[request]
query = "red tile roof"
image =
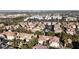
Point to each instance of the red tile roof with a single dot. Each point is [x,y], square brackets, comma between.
[38,46]
[55,39]
[9,33]
[43,37]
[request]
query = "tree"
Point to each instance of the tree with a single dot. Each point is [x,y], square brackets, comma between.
[69,45]
[21,29]
[32,42]
[58,34]
[1,30]
[22,45]
[29,31]
[50,33]
[39,33]
[46,43]
[75,37]
[15,43]
[65,36]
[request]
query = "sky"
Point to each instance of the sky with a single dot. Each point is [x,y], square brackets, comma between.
[39,5]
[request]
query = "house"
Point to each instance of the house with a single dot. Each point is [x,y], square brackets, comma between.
[71,27]
[57,16]
[36,17]
[43,38]
[54,42]
[71,19]
[57,28]
[2,25]
[38,46]
[71,31]
[9,27]
[48,17]
[69,41]
[16,26]
[10,35]
[25,36]
[36,29]
[26,19]
[10,43]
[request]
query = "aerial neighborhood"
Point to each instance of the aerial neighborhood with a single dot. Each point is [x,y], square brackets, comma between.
[39,30]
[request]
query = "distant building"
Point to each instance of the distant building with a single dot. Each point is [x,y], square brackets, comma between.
[71,19]
[57,16]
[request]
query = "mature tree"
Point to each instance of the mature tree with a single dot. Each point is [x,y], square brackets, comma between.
[50,33]
[39,33]
[22,45]
[15,43]
[1,30]
[32,42]
[75,37]
[69,46]
[21,29]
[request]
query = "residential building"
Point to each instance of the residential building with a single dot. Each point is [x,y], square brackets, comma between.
[38,46]
[54,42]
[10,35]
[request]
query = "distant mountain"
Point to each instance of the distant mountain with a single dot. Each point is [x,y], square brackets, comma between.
[39,11]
